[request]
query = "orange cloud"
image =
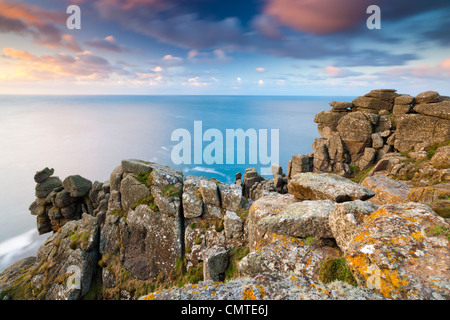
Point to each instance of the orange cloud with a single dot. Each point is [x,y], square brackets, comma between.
[59,66]
[31,14]
[318,17]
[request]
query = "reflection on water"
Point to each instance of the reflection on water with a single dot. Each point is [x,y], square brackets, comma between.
[90,135]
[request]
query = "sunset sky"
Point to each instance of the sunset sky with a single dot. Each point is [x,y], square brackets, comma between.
[279,47]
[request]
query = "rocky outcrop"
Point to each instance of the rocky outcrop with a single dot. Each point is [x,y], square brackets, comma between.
[396,251]
[309,233]
[326,186]
[360,133]
[59,202]
[265,287]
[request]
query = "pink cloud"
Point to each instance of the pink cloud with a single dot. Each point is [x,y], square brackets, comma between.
[335,72]
[318,17]
[423,71]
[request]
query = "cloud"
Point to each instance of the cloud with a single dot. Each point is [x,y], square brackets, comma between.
[260,69]
[204,57]
[84,65]
[318,17]
[423,71]
[25,19]
[109,44]
[335,72]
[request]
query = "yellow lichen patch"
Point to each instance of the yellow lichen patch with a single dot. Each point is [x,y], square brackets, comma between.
[293,278]
[150,297]
[248,294]
[417,235]
[262,292]
[194,286]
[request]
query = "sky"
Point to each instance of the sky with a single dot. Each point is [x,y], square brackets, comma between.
[224,47]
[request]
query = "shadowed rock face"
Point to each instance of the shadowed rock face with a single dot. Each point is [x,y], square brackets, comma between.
[327,186]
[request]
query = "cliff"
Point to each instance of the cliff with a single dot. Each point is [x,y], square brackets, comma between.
[313,233]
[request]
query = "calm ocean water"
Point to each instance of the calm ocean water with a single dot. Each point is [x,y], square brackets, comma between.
[90,135]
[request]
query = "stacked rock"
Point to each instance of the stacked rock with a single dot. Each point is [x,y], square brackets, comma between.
[379,122]
[58,202]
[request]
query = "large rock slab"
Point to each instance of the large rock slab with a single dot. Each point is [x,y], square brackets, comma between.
[413,129]
[287,256]
[440,109]
[44,188]
[427,97]
[323,186]
[64,266]
[131,191]
[346,218]
[302,219]
[265,287]
[398,252]
[387,190]
[441,158]
[260,209]
[77,186]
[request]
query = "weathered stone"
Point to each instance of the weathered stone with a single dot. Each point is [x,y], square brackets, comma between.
[440,110]
[427,97]
[387,190]
[394,253]
[302,219]
[77,186]
[287,256]
[404,99]
[299,163]
[136,166]
[336,148]
[43,175]
[345,219]
[275,287]
[321,160]
[43,223]
[377,141]
[413,129]
[355,129]
[310,186]
[63,199]
[131,191]
[231,196]
[327,122]
[209,192]
[401,109]
[215,262]
[388,95]
[367,159]
[372,103]
[233,225]
[441,158]
[341,106]
[43,189]
[36,208]
[261,208]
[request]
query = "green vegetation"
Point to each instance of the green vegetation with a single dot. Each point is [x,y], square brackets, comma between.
[359,175]
[171,191]
[148,200]
[79,240]
[119,213]
[242,213]
[144,178]
[336,269]
[198,240]
[235,255]
[312,241]
[438,231]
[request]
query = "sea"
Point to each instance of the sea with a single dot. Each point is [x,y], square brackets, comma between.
[90,135]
